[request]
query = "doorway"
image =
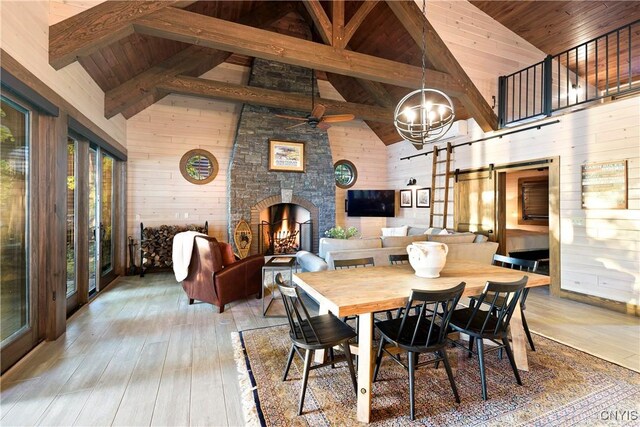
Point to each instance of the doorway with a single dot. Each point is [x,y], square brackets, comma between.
[516,205]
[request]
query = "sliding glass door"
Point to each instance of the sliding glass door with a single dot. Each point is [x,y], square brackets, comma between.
[18,298]
[72,203]
[106,218]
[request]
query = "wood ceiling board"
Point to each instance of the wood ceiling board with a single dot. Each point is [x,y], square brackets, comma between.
[224,35]
[555,26]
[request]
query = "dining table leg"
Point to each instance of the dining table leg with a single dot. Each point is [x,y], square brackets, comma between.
[519,340]
[365,358]
[318,355]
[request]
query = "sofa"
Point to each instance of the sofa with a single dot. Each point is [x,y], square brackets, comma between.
[462,246]
[217,277]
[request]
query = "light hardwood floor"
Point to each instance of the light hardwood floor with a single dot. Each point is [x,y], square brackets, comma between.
[140,355]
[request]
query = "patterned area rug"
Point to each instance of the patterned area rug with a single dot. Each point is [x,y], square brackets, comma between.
[563,387]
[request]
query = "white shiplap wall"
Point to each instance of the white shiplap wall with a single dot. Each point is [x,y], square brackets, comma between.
[159,136]
[354,141]
[25,36]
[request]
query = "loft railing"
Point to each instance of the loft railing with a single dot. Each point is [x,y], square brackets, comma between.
[606,66]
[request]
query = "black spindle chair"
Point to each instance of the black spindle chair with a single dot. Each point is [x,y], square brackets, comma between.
[313,333]
[425,332]
[502,298]
[517,264]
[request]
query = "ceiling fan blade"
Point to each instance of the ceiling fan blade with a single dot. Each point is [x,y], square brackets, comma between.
[292,117]
[338,118]
[323,125]
[318,111]
[295,126]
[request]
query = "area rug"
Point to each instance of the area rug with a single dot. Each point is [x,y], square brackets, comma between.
[564,386]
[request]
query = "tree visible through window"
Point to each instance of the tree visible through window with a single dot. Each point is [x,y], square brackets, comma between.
[346,173]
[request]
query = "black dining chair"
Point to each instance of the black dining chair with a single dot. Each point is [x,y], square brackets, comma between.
[425,332]
[311,333]
[341,264]
[517,264]
[502,298]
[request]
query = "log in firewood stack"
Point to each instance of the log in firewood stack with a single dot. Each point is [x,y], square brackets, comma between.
[157,245]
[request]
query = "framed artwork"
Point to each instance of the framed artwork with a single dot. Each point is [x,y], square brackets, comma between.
[406,198]
[286,156]
[423,197]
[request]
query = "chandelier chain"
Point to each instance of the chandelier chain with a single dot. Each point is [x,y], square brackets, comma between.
[424,44]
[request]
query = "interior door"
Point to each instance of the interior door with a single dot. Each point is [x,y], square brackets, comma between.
[475,203]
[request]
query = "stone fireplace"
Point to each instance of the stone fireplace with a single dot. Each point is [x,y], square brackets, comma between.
[252,188]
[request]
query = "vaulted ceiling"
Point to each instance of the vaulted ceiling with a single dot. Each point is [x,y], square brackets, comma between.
[138,52]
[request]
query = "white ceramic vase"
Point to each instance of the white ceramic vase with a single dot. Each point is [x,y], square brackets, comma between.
[427,258]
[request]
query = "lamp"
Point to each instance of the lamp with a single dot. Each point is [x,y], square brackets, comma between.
[424,115]
[412,181]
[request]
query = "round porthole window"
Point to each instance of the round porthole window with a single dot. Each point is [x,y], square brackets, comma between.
[199,166]
[346,173]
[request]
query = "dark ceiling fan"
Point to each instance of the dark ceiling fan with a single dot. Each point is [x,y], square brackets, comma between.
[317,119]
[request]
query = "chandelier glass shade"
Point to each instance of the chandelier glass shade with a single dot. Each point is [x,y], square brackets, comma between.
[424,116]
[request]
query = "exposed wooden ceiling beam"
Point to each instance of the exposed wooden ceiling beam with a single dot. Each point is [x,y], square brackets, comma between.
[337,19]
[192,61]
[320,19]
[188,27]
[270,98]
[410,15]
[356,20]
[378,92]
[94,28]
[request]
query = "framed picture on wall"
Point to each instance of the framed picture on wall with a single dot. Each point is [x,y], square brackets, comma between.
[406,198]
[286,156]
[423,197]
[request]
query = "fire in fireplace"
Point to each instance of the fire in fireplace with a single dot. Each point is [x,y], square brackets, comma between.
[285,228]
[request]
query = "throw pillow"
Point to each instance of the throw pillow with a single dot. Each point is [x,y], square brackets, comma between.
[226,251]
[395,231]
[453,238]
[444,232]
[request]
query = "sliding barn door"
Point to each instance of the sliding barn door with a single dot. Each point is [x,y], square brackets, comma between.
[476,204]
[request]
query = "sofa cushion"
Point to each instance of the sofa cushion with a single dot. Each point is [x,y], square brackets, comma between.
[479,252]
[452,238]
[310,262]
[395,231]
[433,230]
[401,241]
[481,238]
[414,231]
[328,244]
[226,251]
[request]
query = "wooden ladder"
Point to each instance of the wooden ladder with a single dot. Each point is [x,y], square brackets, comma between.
[440,185]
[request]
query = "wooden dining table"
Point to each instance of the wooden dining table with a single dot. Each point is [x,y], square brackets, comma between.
[363,291]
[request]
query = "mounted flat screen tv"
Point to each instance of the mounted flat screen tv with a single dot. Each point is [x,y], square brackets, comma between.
[377,203]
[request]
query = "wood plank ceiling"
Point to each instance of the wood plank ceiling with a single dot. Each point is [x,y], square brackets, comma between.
[138,52]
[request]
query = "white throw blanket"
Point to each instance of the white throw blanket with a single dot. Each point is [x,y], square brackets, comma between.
[181,253]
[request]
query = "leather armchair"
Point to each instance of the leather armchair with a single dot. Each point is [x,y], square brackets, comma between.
[210,280]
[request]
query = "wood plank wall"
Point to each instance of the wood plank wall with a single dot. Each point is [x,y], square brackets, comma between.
[25,36]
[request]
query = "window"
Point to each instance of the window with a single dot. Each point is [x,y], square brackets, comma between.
[533,201]
[199,166]
[346,173]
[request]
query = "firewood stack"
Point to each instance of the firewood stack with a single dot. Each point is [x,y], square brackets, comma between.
[157,245]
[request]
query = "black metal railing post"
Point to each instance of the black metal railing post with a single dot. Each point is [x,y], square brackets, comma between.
[502,101]
[547,84]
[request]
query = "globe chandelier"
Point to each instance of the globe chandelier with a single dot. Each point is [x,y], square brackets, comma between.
[424,115]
